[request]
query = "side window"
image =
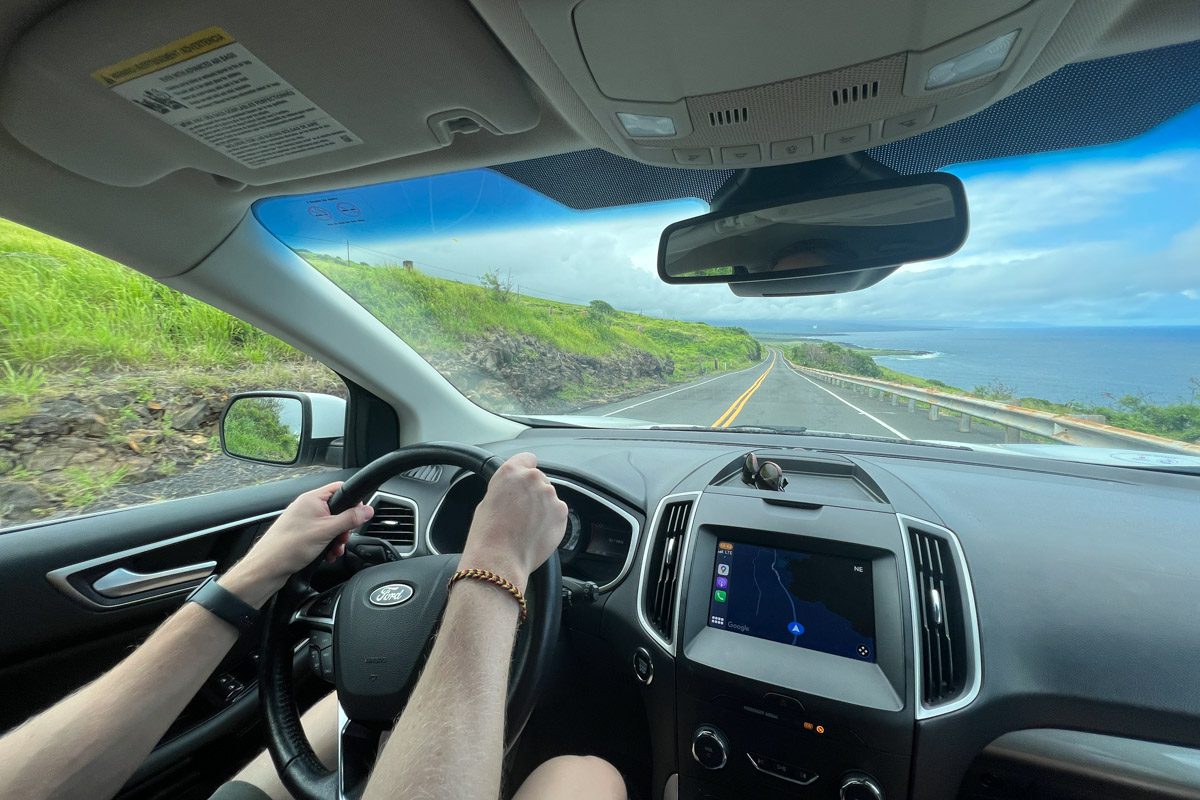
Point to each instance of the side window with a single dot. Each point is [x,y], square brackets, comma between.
[111,384]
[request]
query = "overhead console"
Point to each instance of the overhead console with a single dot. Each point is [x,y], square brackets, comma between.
[718,85]
[811,625]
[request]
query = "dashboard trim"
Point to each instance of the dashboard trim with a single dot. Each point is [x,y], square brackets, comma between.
[438,508]
[669,647]
[635,538]
[972,620]
[60,578]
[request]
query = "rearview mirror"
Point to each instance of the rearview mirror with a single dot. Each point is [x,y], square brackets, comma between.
[284,428]
[824,243]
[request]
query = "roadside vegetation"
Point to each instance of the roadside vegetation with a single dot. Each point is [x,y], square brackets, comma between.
[65,308]
[435,315]
[110,379]
[1175,420]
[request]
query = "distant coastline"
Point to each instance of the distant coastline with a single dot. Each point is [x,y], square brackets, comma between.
[1093,366]
[873,352]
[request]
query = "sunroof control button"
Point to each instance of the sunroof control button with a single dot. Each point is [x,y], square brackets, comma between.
[848,139]
[904,124]
[742,154]
[693,156]
[791,148]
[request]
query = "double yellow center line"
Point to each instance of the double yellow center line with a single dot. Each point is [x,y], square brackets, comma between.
[731,413]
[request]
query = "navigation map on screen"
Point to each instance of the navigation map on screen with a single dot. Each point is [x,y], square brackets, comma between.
[809,600]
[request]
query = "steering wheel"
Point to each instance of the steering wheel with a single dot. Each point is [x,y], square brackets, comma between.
[380,640]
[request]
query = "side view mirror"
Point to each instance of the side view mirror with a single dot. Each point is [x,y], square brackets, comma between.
[295,429]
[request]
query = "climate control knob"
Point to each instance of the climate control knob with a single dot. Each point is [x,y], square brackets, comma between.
[709,747]
[860,786]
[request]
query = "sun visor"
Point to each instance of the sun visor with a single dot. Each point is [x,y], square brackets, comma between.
[127,91]
[714,84]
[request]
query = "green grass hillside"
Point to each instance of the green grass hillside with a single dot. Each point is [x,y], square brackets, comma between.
[67,312]
[111,382]
[62,307]
[441,316]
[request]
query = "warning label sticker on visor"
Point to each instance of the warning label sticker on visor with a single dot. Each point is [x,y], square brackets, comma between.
[212,88]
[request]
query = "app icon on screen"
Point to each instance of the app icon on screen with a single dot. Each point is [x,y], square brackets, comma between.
[727,546]
[719,595]
[722,569]
[722,583]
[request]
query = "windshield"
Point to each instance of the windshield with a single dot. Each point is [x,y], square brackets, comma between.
[1076,295]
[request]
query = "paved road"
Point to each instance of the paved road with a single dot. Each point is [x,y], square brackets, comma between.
[773,393]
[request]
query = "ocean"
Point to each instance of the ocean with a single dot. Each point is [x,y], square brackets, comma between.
[1090,365]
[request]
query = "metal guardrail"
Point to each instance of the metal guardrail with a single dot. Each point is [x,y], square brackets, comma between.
[1082,431]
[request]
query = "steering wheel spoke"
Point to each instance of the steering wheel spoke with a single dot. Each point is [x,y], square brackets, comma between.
[315,616]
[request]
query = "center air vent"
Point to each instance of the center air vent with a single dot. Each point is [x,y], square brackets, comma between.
[430,473]
[728,116]
[662,569]
[853,94]
[395,520]
[942,633]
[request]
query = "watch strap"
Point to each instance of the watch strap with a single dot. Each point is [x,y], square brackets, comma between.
[224,604]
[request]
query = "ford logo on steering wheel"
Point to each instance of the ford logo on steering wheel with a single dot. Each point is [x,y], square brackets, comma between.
[391,594]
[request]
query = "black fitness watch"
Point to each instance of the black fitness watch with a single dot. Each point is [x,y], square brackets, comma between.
[224,604]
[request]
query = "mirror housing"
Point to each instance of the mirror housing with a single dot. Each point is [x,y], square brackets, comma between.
[839,240]
[293,429]
[813,284]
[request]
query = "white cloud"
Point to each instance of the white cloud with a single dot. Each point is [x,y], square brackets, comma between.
[1007,204]
[1069,242]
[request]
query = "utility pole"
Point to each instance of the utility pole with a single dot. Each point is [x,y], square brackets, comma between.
[347,252]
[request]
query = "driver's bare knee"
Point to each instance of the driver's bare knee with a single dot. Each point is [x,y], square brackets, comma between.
[320,726]
[577,777]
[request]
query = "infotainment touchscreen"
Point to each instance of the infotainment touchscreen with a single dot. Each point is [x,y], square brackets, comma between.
[809,600]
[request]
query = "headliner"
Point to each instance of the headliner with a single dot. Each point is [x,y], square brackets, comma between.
[1090,103]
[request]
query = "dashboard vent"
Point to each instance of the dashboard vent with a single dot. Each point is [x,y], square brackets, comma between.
[662,574]
[430,473]
[849,95]
[395,520]
[943,636]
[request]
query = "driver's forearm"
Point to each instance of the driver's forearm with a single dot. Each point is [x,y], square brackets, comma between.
[89,744]
[449,742]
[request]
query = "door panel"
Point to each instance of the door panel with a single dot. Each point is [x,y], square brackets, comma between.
[70,608]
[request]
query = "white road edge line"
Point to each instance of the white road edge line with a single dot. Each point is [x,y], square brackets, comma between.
[866,414]
[682,389]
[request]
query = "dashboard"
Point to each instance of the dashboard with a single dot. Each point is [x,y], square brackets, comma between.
[597,546]
[894,621]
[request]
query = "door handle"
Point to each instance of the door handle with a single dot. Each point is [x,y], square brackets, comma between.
[122,582]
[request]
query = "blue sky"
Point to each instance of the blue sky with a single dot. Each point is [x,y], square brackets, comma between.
[1091,236]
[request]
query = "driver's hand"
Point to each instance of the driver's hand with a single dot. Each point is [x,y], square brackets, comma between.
[519,523]
[302,532]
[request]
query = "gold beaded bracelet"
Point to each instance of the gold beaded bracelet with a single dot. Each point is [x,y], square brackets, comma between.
[492,578]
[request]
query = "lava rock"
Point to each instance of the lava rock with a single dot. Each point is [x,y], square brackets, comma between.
[190,418]
[17,501]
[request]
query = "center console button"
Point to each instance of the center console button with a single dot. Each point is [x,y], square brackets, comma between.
[778,769]
[709,747]
[643,665]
